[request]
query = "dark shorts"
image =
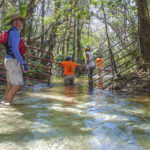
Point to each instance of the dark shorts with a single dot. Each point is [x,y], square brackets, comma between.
[90,71]
[69,79]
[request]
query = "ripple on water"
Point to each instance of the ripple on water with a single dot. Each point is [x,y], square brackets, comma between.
[79,118]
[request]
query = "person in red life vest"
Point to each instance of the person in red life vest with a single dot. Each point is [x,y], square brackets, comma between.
[69,67]
[4,39]
[13,59]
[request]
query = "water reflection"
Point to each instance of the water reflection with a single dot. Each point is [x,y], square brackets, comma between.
[69,91]
[90,90]
[92,87]
[99,83]
[77,117]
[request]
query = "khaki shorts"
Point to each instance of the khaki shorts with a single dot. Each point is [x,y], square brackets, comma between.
[69,79]
[13,71]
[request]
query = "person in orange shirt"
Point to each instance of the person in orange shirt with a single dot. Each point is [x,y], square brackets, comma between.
[99,65]
[69,67]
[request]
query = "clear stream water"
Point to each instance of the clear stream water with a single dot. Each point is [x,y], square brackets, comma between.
[80,117]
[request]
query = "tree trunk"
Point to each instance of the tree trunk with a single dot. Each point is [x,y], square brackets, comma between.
[30,32]
[68,40]
[113,66]
[78,41]
[52,37]
[58,46]
[63,44]
[69,35]
[29,14]
[42,38]
[74,40]
[125,21]
[3,9]
[144,33]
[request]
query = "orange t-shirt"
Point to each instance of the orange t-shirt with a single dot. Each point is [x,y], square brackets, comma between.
[69,67]
[99,62]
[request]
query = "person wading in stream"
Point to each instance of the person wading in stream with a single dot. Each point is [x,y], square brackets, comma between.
[99,65]
[90,65]
[68,66]
[13,59]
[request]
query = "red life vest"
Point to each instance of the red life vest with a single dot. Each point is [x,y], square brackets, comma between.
[4,38]
[22,47]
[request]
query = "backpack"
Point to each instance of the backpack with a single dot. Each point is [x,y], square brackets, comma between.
[4,39]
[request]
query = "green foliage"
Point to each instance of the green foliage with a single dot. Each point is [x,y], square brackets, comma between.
[11,11]
[148,1]
[59,58]
[62,16]
[89,40]
[38,70]
[23,8]
[95,2]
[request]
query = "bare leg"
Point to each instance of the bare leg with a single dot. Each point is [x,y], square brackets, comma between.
[99,71]
[8,87]
[90,79]
[11,93]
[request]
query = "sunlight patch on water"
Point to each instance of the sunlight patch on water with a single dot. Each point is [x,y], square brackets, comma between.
[86,129]
[64,118]
[143,127]
[12,146]
[108,117]
[112,142]
[40,127]
[69,110]
[56,97]
[140,111]
[12,120]
[61,143]
[9,110]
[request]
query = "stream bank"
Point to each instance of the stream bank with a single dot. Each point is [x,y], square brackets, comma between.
[134,82]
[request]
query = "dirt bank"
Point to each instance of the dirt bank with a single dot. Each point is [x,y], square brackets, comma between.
[134,82]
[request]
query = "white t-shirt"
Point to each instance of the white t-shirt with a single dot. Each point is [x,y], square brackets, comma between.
[91,61]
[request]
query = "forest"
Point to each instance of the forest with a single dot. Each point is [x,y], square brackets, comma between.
[118,30]
[45,107]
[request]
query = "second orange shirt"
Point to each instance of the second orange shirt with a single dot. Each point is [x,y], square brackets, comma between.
[99,62]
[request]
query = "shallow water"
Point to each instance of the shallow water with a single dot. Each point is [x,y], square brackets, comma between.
[80,117]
